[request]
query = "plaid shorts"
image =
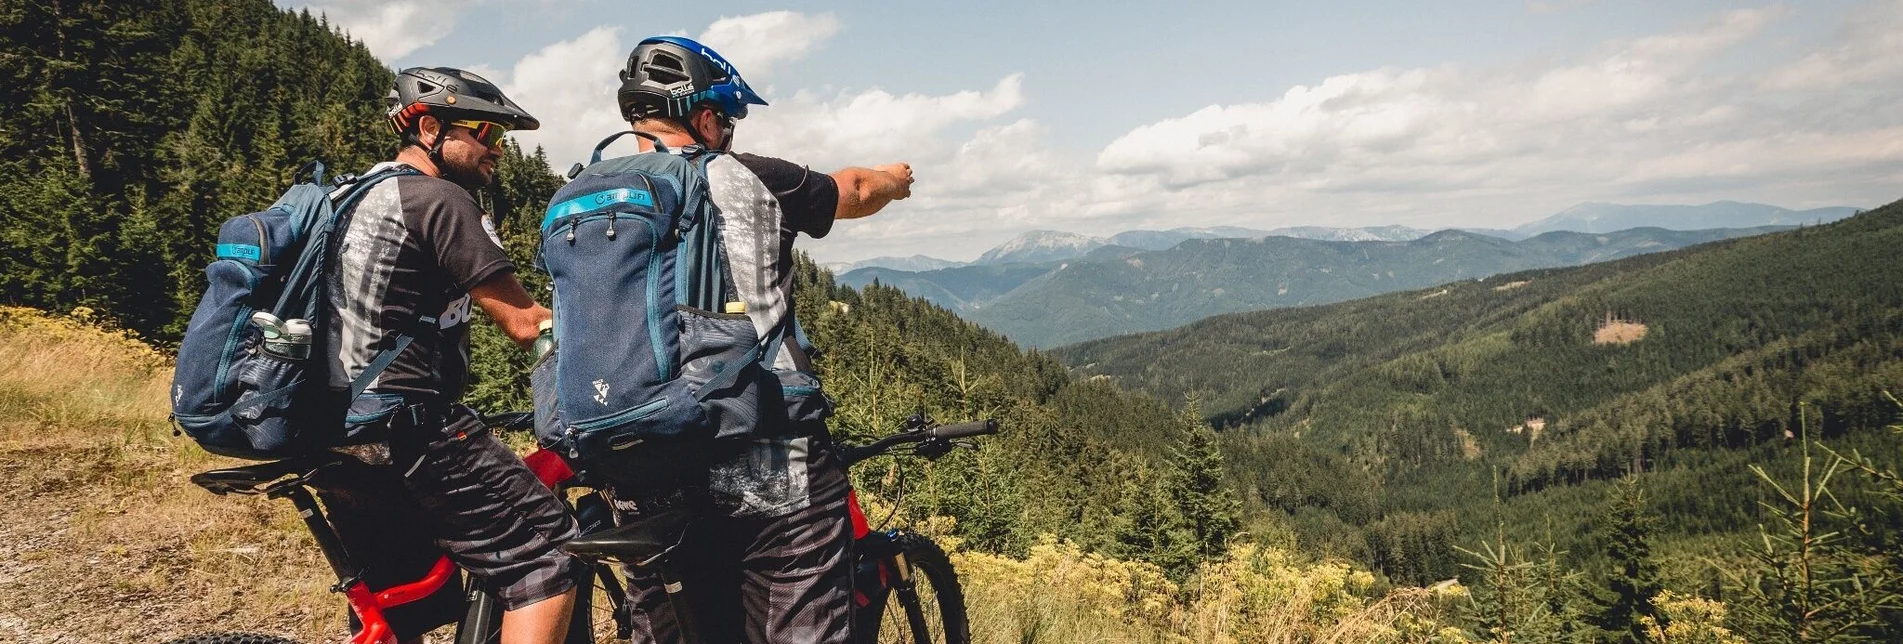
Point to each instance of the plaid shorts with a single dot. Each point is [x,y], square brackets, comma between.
[467,494]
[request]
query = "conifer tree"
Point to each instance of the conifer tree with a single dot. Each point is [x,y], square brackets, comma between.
[1633,581]
[1209,509]
[1811,583]
[1149,528]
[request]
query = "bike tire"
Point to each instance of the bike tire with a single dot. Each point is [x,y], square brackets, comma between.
[941,602]
[232,638]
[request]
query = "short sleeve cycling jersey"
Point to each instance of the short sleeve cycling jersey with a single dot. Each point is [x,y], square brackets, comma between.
[764,204]
[412,246]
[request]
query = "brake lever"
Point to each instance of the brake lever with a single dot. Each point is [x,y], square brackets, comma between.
[932,449]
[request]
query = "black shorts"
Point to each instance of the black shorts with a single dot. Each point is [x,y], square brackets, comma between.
[770,557]
[455,491]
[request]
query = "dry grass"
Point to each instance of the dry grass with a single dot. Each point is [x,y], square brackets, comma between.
[99,511]
[1255,594]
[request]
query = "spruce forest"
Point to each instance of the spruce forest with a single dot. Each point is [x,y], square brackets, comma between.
[1693,446]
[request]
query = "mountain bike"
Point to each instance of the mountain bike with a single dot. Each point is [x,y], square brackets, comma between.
[291,479]
[898,564]
[888,564]
[903,584]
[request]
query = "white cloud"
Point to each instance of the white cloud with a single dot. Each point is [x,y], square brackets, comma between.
[756,43]
[1869,49]
[391,28]
[1671,118]
[1646,119]
[570,86]
[864,127]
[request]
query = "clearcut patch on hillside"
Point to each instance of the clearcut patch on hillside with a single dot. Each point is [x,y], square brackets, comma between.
[1619,332]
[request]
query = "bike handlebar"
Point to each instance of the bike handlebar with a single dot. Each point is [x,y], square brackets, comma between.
[934,436]
[961,430]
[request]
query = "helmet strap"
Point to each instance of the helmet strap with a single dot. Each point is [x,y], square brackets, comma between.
[726,130]
[434,148]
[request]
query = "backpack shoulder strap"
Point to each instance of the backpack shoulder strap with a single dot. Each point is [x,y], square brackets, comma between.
[383,360]
[354,190]
[299,284]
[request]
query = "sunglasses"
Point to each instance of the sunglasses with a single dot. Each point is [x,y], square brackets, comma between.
[488,133]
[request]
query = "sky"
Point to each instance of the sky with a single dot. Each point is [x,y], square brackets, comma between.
[1096,118]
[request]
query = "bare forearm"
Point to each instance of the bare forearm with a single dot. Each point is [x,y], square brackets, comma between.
[864,191]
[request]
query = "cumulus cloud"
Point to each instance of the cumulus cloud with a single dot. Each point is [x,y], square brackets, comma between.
[391,28]
[757,42]
[863,126]
[1674,117]
[1650,118]
[570,86]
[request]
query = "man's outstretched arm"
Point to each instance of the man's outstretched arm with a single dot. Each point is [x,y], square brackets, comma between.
[863,191]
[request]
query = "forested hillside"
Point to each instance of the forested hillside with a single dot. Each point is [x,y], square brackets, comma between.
[1378,425]
[132,129]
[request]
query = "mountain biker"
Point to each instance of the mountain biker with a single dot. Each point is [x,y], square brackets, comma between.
[411,258]
[775,563]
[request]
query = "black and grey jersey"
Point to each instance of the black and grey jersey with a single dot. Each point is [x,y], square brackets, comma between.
[414,245]
[764,204]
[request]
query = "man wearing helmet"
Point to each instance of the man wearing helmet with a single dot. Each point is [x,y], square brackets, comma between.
[410,259]
[776,561]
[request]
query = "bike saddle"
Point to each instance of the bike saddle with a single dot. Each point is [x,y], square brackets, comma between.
[641,544]
[252,479]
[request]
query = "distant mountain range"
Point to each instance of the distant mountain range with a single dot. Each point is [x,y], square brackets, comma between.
[1093,298]
[1047,288]
[1591,217]
[1114,290]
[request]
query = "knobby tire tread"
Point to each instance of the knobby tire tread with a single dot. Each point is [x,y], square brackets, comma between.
[926,557]
[232,638]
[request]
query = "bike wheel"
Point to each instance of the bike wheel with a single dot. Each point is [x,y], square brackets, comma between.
[231,638]
[605,593]
[934,612]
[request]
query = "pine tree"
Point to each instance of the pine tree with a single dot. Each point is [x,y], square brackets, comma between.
[1209,509]
[1149,528]
[1811,583]
[1634,580]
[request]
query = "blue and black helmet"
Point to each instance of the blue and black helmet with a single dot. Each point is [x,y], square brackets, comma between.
[667,76]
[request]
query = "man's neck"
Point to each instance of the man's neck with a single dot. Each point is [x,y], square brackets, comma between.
[673,140]
[415,157]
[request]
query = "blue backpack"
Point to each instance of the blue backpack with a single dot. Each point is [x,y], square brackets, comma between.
[252,378]
[646,359]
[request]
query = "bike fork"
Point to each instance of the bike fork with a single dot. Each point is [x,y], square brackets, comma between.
[907,593]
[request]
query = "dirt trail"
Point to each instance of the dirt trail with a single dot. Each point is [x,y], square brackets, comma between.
[90,552]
